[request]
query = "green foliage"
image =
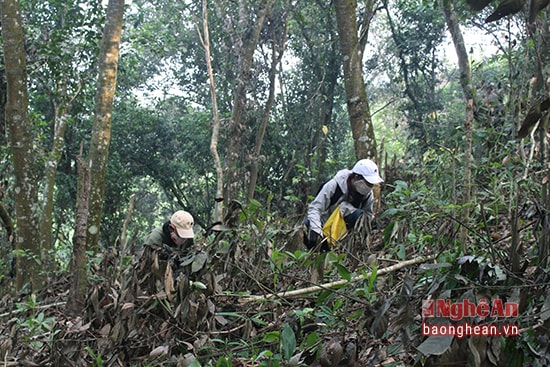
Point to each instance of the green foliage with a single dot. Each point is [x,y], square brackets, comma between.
[410,64]
[288,342]
[417,201]
[471,278]
[368,292]
[36,328]
[96,357]
[423,215]
[160,152]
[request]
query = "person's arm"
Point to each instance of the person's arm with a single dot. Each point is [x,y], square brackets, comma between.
[320,204]
[154,238]
[367,206]
[347,208]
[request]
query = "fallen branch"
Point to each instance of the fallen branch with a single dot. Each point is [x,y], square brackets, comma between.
[40,307]
[337,283]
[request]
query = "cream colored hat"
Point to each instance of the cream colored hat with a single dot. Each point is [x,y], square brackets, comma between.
[183,221]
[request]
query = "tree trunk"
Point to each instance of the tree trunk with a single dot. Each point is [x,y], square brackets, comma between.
[538,30]
[356,94]
[7,247]
[277,52]
[101,129]
[62,113]
[7,221]
[216,124]
[416,125]
[244,50]
[79,281]
[469,94]
[3,94]
[21,138]
[332,73]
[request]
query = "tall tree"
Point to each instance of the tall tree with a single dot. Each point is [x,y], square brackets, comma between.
[244,33]
[469,95]
[78,269]
[417,29]
[60,69]
[278,20]
[61,119]
[21,139]
[356,93]
[101,128]
[538,30]
[3,89]
[312,98]
[216,123]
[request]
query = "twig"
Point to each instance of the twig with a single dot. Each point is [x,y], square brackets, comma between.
[532,327]
[123,239]
[320,287]
[33,308]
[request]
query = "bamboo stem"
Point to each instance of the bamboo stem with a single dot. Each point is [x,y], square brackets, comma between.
[320,287]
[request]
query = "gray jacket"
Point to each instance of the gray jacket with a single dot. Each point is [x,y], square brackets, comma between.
[320,208]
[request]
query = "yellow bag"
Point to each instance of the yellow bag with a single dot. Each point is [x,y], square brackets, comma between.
[335,227]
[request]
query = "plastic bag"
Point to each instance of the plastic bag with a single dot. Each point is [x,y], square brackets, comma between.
[335,227]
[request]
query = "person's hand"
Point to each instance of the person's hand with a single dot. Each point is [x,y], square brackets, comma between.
[313,239]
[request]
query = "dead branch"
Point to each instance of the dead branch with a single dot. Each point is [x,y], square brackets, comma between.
[41,307]
[204,37]
[123,239]
[337,283]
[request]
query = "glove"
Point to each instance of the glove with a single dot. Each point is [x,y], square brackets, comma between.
[313,239]
[174,263]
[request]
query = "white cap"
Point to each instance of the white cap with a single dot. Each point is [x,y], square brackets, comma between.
[183,221]
[369,170]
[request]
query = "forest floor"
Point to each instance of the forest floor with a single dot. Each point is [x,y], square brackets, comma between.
[236,313]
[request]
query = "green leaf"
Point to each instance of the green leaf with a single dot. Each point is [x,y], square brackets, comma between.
[271,337]
[545,311]
[288,342]
[344,272]
[223,361]
[254,205]
[312,339]
[198,262]
[435,345]
[258,321]
[401,253]
[40,317]
[265,353]
[372,279]
[356,314]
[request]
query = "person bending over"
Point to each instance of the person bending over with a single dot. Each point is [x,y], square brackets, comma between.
[350,191]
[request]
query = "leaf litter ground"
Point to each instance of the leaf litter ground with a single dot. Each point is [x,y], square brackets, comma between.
[150,315]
